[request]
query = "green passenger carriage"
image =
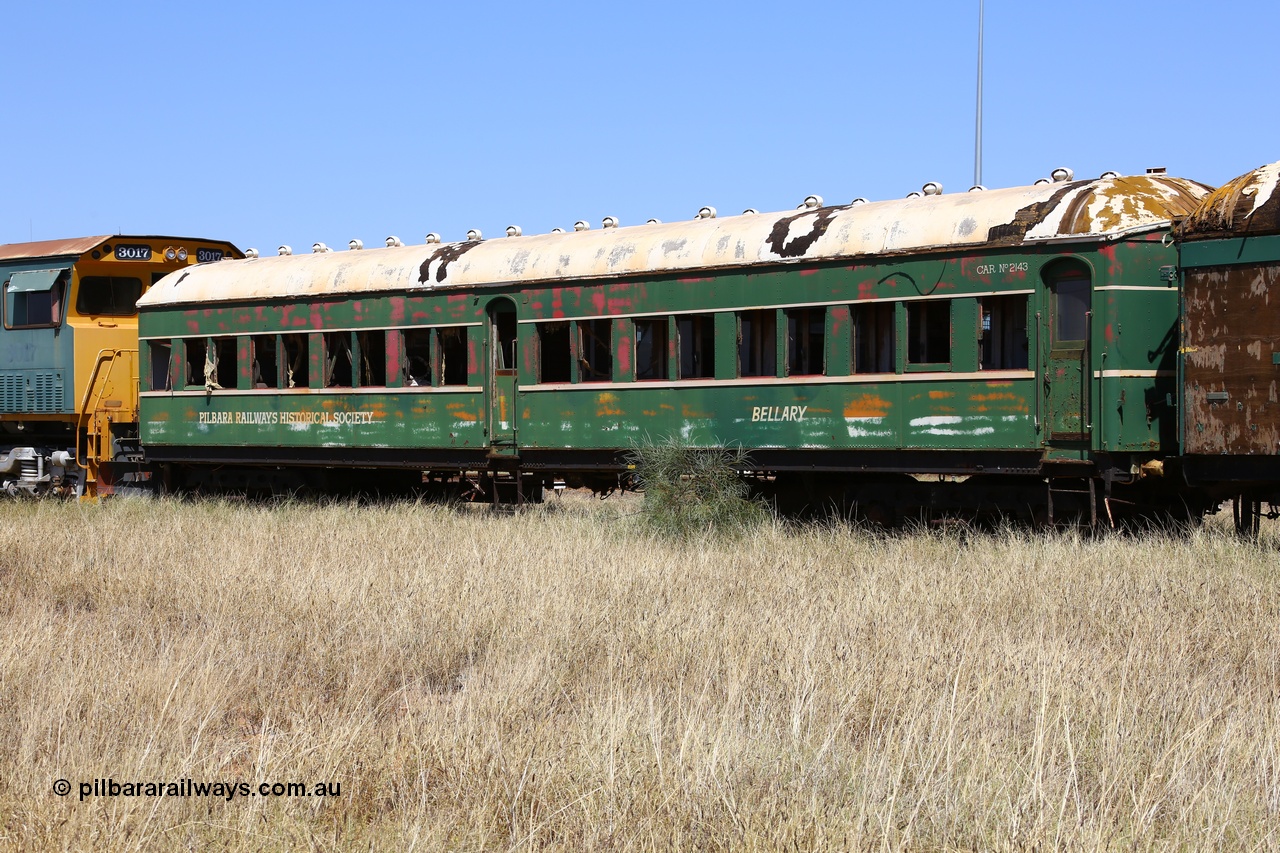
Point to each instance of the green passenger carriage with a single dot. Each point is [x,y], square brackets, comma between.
[1012,348]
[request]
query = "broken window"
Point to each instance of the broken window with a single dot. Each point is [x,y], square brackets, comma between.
[873,337]
[452,348]
[297,361]
[197,353]
[697,350]
[1003,332]
[806,341]
[416,349]
[224,363]
[651,348]
[554,360]
[337,360]
[595,350]
[112,296]
[758,342]
[160,353]
[929,331]
[373,358]
[266,364]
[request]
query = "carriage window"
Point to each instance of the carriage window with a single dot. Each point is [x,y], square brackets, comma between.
[373,358]
[111,296]
[595,350]
[224,362]
[160,351]
[758,342]
[1003,332]
[929,332]
[452,347]
[555,361]
[696,334]
[197,353]
[873,338]
[337,360]
[651,348]
[297,361]
[806,341]
[34,298]
[1070,304]
[266,365]
[417,357]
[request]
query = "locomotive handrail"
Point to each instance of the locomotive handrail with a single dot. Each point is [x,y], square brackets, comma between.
[88,393]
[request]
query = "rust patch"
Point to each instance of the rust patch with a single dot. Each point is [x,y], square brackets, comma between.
[941,395]
[782,243]
[867,406]
[607,406]
[1015,232]
[445,256]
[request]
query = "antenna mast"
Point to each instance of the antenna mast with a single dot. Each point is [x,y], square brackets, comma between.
[977,144]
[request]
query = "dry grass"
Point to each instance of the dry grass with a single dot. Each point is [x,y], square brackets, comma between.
[558,680]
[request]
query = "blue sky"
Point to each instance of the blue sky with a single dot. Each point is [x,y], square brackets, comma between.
[290,123]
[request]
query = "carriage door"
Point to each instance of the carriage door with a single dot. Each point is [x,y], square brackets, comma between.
[1067,368]
[502,373]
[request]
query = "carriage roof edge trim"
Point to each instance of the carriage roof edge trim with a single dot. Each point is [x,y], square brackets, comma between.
[1096,209]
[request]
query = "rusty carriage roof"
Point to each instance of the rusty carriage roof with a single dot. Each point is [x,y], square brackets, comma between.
[1245,206]
[1105,208]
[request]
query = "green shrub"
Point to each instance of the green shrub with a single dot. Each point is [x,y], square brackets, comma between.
[690,491]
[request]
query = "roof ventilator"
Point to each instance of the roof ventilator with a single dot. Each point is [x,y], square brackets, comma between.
[319,249]
[1062,175]
[609,222]
[514,231]
[433,237]
[811,202]
[654,222]
[858,200]
[284,250]
[394,242]
[251,253]
[977,188]
[355,245]
[474,235]
[1108,175]
[932,188]
[581,225]
[706,213]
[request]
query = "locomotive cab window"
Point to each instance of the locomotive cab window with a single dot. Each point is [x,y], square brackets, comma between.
[1002,332]
[806,341]
[34,298]
[929,332]
[108,296]
[697,350]
[873,338]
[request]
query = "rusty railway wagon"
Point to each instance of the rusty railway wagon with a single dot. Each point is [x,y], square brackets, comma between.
[68,356]
[1009,351]
[1230,353]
